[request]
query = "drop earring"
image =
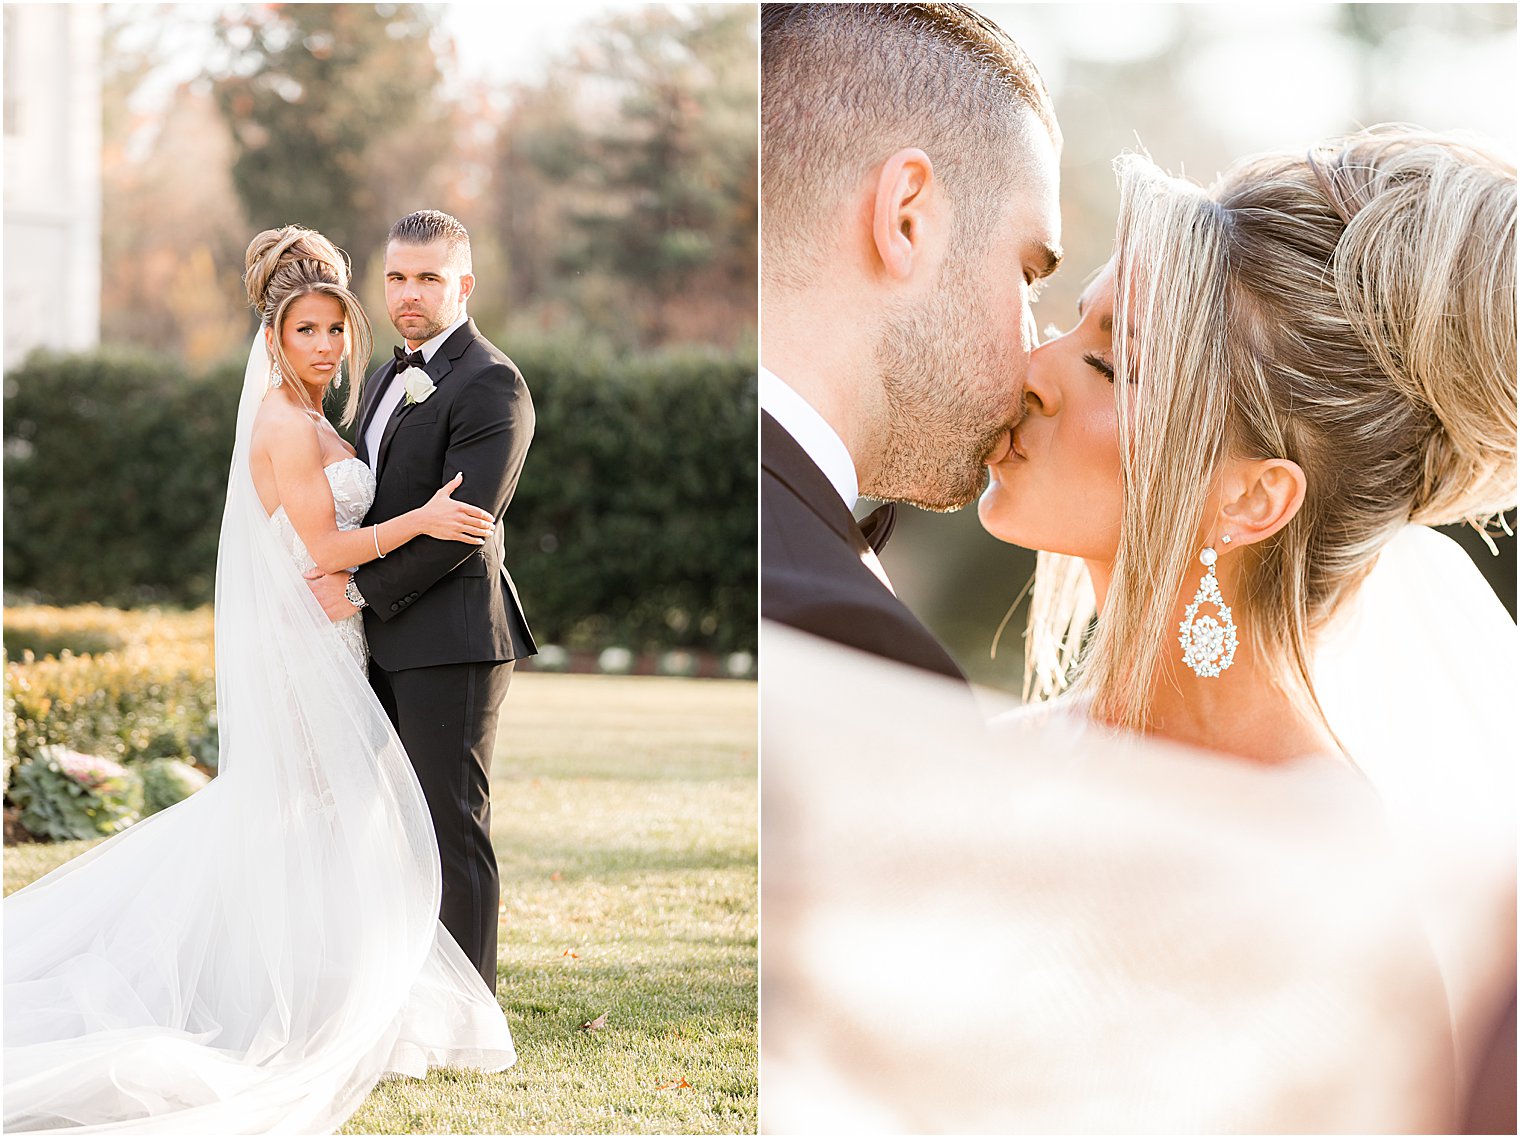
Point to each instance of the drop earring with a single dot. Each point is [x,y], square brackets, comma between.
[1208,642]
[276,377]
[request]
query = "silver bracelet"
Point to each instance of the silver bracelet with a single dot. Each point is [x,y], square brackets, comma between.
[376,528]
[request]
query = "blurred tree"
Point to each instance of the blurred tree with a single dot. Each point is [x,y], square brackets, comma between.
[637,160]
[536,153]
[334,116]
[172,232]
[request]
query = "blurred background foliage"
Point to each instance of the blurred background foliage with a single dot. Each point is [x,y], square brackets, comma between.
[611,199]
[612,196]
[1198,86]
[633,523]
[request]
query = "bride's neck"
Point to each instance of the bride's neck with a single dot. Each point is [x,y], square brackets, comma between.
[1243,712]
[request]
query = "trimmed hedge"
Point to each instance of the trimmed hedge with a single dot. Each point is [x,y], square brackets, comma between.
[153,697]
[633,524]
[634,521]
[115,475]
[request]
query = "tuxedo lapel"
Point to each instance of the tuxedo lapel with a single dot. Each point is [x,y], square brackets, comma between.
[783,457]
[437,369]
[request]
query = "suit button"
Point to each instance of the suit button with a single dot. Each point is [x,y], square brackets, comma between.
[396,607]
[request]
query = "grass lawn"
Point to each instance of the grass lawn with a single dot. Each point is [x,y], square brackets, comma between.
[625,817]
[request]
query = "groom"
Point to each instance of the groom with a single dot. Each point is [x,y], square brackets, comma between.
[910,167]
[442,618]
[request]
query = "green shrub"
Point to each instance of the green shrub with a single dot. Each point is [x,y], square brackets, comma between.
[10,725]
[155,696]
[167,781]
[115,474]
[68,796]
[84,642]
[633,523]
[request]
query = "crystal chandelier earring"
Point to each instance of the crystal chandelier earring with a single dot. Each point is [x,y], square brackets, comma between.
[1208,642]
[276,377]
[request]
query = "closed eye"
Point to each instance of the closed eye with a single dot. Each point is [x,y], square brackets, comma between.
[1100,365]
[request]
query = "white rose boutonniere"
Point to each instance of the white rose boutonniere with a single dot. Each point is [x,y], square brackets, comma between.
[417,384]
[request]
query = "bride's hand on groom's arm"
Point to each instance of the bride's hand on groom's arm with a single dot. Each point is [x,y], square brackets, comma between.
[450,520]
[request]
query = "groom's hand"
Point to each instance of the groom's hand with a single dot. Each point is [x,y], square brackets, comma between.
[328,589]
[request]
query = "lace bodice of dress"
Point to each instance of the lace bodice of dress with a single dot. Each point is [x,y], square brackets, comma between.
[353,489]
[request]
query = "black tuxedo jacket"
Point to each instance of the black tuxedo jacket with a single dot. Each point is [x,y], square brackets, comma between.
[812,575]
[446,602]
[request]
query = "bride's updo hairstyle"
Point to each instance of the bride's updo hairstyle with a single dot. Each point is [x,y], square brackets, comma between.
[1352,310]
[285,264]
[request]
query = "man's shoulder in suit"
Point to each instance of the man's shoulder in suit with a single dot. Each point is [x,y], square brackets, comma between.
[480,354]
[812,576]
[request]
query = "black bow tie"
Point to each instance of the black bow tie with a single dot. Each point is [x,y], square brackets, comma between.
[406,359]
[876,526]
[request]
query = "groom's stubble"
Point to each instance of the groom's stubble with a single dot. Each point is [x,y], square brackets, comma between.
[949,394]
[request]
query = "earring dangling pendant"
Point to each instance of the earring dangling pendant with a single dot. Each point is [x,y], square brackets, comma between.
[276,377]
[1208,642]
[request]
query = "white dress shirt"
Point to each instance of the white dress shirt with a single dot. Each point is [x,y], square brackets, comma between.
[393,393]
[800,419]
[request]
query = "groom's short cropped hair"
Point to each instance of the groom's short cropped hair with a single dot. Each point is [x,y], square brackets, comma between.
[428,225]
[843,86]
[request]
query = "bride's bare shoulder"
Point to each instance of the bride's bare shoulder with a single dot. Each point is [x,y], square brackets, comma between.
[282,428]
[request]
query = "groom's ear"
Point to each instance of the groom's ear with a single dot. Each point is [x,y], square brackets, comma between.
[905,211]
[1260,496]
[466,286]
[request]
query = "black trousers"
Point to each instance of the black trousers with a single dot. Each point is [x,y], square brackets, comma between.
[446,717]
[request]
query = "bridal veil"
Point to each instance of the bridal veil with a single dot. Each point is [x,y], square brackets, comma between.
[1041,927]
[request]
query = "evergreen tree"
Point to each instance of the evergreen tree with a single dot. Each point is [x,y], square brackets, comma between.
[334,117]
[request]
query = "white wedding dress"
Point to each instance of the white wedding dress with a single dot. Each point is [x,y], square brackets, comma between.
[255,958]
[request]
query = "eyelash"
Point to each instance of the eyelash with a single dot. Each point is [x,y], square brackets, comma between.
[1099,364]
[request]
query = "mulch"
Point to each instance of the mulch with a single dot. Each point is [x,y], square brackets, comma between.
[15,832]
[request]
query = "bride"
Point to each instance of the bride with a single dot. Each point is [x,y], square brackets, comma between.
[1230,461]
[254,959]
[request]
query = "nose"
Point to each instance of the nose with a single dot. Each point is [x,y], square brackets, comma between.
[1042,388]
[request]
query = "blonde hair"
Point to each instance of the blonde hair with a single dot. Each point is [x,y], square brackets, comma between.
[1351,310]
[284,264]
